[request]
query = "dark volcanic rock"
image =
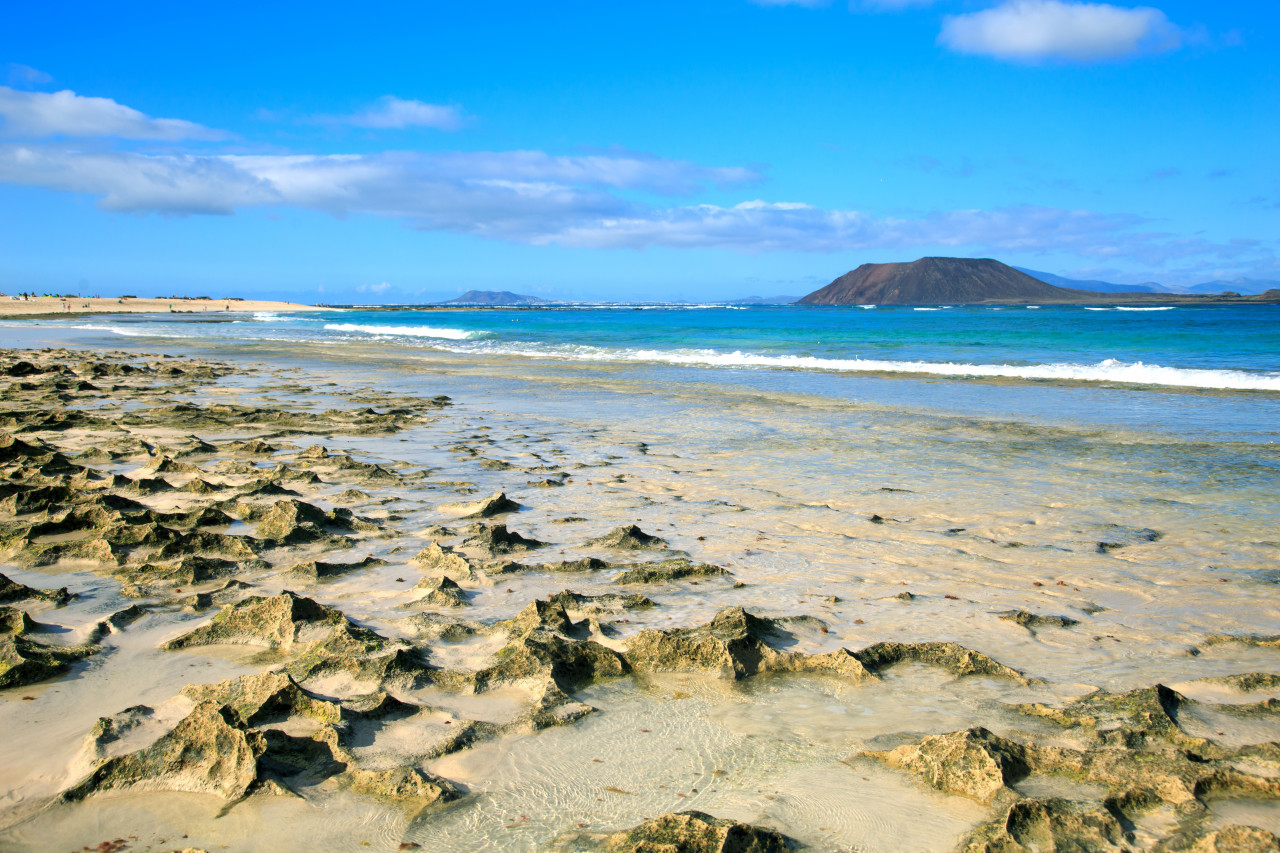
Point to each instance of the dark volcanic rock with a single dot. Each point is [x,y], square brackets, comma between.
[934,281]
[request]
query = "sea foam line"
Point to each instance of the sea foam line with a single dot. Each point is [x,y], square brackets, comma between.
[1109,370]
[407,331]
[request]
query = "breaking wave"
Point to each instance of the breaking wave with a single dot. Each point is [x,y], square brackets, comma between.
[407,331]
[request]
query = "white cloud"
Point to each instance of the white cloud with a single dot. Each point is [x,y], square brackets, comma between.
[1032,30]
[42,114]
[529,197]
[392,113]
[504,194]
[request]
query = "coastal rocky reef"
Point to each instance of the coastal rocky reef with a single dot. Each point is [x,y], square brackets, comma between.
[234,532]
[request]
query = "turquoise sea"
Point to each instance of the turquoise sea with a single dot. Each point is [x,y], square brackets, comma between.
[1200,371]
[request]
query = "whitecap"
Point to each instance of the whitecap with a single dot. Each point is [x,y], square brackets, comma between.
[407,331]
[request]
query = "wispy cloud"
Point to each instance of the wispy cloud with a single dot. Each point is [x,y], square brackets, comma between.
[808,4]
[452,191]
[589,200]
[530,197]
[1036,30]
[24,75]
[45,114]
[889,5]
[392,113]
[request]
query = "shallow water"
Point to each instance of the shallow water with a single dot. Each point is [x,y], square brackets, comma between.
[823,505]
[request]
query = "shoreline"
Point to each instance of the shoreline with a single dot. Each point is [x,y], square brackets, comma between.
[865,572]
[46,307]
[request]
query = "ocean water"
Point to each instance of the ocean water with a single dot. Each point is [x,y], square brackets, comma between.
[1198,371]
[1120,468]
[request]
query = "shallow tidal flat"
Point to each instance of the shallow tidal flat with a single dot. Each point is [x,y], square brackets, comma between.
[251,603]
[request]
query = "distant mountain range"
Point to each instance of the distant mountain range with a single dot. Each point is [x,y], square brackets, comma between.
[1093,284]
[1244,286]
[495,297]
[765,300]
[968,281]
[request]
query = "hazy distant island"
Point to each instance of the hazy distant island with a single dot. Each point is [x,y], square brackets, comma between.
[968,281]
[496,297]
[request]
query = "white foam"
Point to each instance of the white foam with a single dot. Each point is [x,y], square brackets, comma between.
[1158,308]
[128,333]
[1109,370]
[407,331]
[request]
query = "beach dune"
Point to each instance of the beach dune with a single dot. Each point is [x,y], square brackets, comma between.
[34,306]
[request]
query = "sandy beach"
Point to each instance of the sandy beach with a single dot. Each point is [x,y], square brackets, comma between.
[405,600]
[40,306]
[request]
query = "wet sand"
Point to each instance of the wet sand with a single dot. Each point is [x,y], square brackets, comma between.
[559,605]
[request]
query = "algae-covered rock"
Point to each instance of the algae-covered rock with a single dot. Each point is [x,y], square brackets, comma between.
[441,559]
[190,569]
[950,656]
[277,622]
[494,540]
[1045,825]
[11,591]
[496,504]
[601,604]
[296,522]
[403,783]
[540,615]
[443,592]
[696,832]
[207,752]
[735,644]
[1130,719]
[540,654]
[585,564]
[25,661]
[629,538]
[264,697]
[320,570]
[1037,620]
[666,571]
[973,763]
[1237,839]
[1259,641]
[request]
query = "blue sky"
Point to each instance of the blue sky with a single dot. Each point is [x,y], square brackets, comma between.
[409,152]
